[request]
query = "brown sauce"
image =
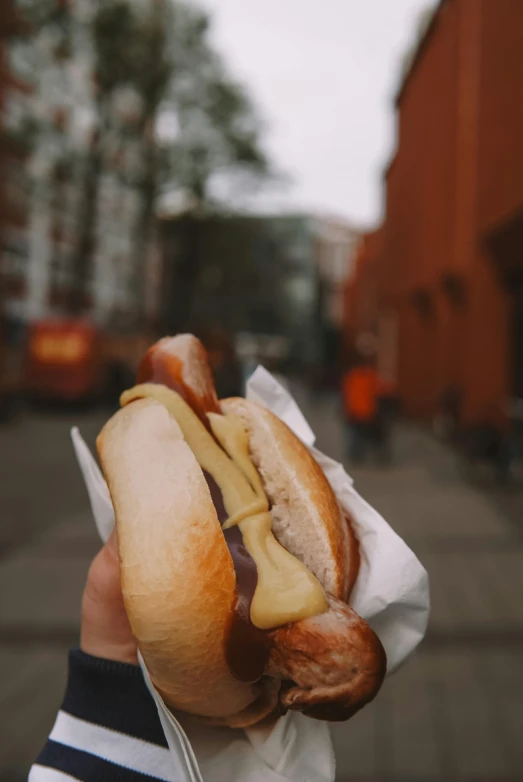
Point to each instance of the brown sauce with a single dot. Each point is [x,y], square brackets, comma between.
[217,498]
[247,649]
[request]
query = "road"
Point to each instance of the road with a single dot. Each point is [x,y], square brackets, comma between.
[452,713]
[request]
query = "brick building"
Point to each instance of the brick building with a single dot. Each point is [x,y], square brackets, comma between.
[15,92]
[446,284]
[336,244]
[49,126]
[361,292]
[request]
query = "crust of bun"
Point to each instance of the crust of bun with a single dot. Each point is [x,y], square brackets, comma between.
[165,519]
[307,519]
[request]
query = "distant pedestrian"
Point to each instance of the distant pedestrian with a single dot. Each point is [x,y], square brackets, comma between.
[510,449]
[360,401]
[446,423]
[387,404]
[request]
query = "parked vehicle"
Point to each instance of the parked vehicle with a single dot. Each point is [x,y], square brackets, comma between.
[73,360]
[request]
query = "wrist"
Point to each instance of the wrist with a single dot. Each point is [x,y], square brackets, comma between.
[112,694]
[104,650]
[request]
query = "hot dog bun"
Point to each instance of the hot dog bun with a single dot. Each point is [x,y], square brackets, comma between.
[177,575]
[306,517]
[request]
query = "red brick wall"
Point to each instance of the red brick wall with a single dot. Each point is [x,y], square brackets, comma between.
[486,361]
[361,293]
[485,358]
[457,174]
[501,118]
[420,224]
[417,367]
[421,180]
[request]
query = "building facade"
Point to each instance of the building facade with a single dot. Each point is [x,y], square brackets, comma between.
[56,65]
[16,88]
[336,243]
[447,280]
[247,274]
[281,275]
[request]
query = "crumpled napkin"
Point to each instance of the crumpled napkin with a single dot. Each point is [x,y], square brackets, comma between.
[391,593]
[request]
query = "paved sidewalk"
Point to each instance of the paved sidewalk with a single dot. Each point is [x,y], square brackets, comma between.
[453,713]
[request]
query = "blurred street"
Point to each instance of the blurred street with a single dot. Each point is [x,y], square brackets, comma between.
[451,714]
[353,219]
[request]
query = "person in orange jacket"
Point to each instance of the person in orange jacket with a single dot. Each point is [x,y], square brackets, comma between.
[360,392]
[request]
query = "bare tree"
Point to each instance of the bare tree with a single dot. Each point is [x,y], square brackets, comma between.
[164,53]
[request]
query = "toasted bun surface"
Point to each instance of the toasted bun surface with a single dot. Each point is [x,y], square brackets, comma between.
[306,517]
[177,575]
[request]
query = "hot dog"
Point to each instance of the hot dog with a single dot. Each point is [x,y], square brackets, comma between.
[237,563]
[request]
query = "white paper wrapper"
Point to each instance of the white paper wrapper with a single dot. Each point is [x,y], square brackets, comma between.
[391,593]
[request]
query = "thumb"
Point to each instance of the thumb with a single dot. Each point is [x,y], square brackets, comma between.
[106,631]
[112,543]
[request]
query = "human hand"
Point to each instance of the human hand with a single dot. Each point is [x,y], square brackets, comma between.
[106,631]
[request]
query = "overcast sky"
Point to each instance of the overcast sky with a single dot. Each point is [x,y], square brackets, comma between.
[323,74]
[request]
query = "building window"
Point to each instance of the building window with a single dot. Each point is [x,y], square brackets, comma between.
[14,251]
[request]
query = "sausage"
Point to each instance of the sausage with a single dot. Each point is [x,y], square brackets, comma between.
[331,664]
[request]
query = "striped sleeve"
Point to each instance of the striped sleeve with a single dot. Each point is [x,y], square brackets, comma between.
[107,730]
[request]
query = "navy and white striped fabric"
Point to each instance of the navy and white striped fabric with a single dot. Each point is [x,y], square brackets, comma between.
[107,730]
